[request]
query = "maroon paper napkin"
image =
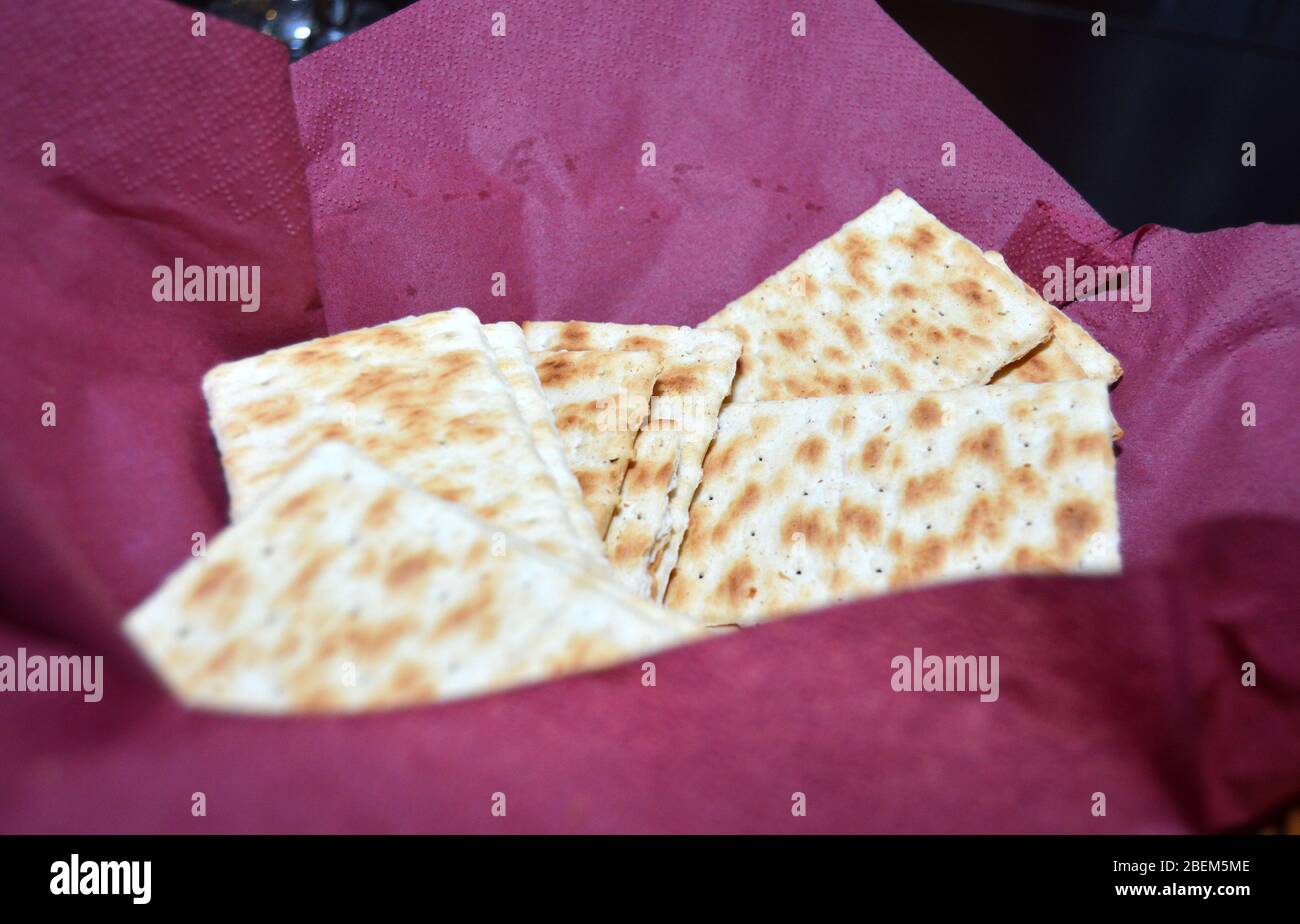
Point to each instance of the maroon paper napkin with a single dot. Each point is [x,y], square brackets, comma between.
[523,154]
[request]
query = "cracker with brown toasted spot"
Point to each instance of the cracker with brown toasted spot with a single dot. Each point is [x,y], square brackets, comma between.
[1047,362]
[893,301]
[1095,360]
[925,487]
[644,522]
[646,531]
[1070,353]
[422,396]
[347,589]
[600,398]
[762,527]
[516,365]
[978,482]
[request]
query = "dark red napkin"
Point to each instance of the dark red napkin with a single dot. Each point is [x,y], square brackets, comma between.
[522,155]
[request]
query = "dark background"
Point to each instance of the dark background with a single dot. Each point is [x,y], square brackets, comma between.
[1146,122]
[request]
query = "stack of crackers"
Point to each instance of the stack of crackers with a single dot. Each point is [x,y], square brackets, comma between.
[435,507]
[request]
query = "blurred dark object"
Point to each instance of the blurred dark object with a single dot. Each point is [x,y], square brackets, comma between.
[1148,122]
[303,25]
